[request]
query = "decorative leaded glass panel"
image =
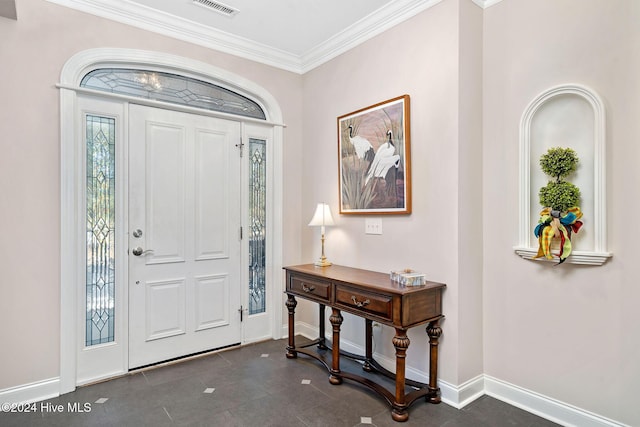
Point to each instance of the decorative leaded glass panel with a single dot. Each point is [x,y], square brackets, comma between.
[100,221]
[172,88]
[258,224]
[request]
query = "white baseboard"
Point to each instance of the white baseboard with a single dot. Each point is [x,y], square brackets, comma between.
[465,393]
[456,396]
[452,395]
[462,395]
[545,407]
[34,392]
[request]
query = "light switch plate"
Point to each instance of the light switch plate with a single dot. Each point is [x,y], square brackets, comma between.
[373,226]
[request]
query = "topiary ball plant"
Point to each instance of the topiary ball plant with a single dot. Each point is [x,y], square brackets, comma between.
[559,195]
[561,214]
[559,162]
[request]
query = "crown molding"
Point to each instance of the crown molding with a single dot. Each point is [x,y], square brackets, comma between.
[489,3]
[8,9]
[486,3]
[363,30]
[149,19]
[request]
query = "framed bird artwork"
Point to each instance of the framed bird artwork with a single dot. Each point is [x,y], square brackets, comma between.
[374,159]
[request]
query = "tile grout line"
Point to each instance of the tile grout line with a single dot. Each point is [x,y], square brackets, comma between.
[167,412]
[302,421]
[146,380]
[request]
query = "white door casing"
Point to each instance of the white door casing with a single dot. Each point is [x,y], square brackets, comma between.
[73,188]
[184,208]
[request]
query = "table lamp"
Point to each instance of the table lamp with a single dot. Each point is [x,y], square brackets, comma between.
[322,217]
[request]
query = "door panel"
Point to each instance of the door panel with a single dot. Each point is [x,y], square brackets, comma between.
[165,309]
[165,191]
[212,309]
[184,190]
[211,186]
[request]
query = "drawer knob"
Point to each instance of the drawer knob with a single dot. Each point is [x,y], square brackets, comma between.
[308,289]
[359,303]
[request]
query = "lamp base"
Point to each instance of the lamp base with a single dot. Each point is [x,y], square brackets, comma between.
[322,262]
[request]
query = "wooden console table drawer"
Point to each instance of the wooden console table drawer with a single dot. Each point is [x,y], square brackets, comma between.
[309,287]
[351,299]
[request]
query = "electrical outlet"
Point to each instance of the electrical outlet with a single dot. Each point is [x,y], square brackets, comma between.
[373,226]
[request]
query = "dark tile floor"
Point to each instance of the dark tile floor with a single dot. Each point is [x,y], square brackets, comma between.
[250,386]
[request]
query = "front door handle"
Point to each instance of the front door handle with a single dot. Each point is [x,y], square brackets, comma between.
[138,251]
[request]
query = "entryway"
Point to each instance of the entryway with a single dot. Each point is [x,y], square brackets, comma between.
[169,270]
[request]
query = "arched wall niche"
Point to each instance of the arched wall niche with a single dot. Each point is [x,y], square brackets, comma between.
[570,116]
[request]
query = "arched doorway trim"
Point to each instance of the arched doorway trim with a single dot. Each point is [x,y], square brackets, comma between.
[72,73]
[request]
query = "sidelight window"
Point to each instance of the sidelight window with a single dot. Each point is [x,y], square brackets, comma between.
[100,230]
[258,225]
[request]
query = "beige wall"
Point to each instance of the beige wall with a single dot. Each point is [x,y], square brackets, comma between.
[33,50]
[421,58]
[567,332]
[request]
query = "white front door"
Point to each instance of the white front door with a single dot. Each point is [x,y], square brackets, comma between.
[184,234]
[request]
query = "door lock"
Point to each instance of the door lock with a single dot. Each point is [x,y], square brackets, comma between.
[137,233]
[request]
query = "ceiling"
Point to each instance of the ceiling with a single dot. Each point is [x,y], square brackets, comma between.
[296,35]
[293,26]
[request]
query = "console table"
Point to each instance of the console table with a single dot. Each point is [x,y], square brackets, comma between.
[374,297]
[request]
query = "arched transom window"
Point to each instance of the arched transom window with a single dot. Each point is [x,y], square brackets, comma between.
[167,87]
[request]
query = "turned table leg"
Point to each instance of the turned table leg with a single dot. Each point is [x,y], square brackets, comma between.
[434,331]
[322,341]
[401,343]
[368,349]
[336,321]
[291,307]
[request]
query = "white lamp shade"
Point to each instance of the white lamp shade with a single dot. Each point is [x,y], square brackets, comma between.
[322,216]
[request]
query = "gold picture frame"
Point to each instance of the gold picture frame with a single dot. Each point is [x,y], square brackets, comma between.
[374,159]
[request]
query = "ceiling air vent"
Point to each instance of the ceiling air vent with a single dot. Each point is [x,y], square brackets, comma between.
[221,8]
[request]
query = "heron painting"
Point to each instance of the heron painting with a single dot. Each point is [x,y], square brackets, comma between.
[374,159]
